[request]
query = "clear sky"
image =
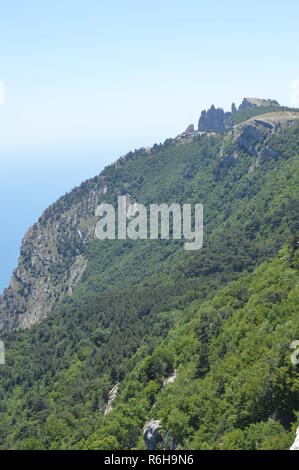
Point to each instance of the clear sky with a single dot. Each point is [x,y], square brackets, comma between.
[86,81]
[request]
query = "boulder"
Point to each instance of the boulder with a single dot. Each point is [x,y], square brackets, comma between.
[151,433]
[266,124]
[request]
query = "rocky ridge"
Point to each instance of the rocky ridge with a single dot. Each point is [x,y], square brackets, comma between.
[52,258]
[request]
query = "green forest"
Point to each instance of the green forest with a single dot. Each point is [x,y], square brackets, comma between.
[222,318]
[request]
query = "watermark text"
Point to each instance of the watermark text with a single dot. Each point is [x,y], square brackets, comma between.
[2,353]
[135,221]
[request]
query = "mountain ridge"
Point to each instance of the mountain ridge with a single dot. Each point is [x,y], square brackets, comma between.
[57,242]
[117,311]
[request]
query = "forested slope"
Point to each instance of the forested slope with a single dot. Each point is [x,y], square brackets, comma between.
[134,300]
[235,386]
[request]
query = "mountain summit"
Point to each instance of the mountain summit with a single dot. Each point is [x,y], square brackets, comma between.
[217,120]
[248,103]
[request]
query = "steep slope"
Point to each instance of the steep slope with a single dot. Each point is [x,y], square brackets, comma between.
[235,384]
[105,306]
[53,253]
[52,259]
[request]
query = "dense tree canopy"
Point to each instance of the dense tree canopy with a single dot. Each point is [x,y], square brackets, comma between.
[223,316]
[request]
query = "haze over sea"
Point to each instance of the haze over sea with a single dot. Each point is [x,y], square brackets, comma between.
[85,83]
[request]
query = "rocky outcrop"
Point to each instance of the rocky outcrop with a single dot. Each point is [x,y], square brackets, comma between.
[251,134]
[111,397]
[151,434]
[188,133]
[269,154]
[214,120]
[152,429]
[189,130]
[265,124]
[153,437]
[234,108]
[295,445]
[254,135]
[170,379]
[248,103]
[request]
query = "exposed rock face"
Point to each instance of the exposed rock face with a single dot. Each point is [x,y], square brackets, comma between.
[257,131]
[170,379]
[295,445]
[269,154]
[217,120]
[151,431]
[52,257]
[234,108]
[151,434]
[214,120]
[111,398]
[265,124]
[153,437]
[248,103]
[250,136]
[189,130]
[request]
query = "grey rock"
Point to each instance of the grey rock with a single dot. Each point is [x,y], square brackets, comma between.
[269,154]
[214,120]
[56,241]
[189,132]
[234,108]
[190,129]
[111,398]
[151,434]
[266,124]
[248,103]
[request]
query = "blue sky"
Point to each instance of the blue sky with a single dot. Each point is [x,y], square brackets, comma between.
[87,81]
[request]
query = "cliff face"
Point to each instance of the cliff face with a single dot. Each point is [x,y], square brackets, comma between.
[214,120]
[52,259]
[254,134]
